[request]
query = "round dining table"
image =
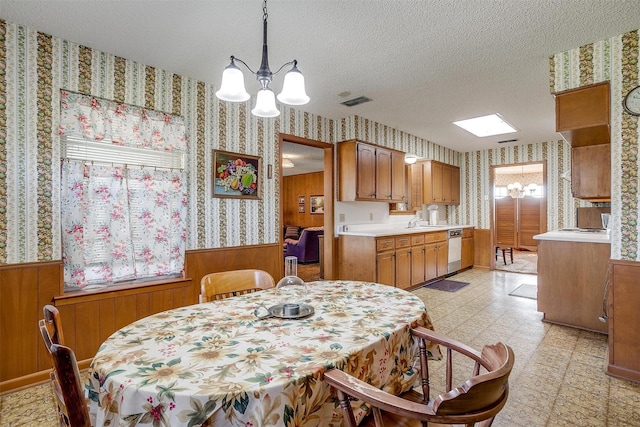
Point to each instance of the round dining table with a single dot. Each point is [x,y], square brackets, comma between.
[218,364]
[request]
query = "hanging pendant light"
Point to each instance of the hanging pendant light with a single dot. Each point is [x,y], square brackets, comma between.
[293,90]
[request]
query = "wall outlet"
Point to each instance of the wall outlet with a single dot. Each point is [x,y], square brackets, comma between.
[341,216]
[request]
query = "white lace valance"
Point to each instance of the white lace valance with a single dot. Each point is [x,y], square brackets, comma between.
[95,119]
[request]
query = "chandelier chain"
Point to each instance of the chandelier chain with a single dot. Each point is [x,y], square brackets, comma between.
[265,15]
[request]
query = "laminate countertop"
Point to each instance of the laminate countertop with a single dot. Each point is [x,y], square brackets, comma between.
[575,235]
[396,230]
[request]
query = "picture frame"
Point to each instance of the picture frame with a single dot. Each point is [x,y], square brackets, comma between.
[316,205]
[236,175]
[300,208]
[301,200]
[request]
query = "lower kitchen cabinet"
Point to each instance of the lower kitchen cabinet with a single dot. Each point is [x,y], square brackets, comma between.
[467,248]
[437,253]
[402,261]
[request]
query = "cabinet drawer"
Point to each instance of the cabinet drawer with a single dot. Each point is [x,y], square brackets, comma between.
[403,242]
[384,245]
[417,240]
[436,236]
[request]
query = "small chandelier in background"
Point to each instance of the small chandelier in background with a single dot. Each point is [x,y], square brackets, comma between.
[293,91]
[517,191]
[287,163]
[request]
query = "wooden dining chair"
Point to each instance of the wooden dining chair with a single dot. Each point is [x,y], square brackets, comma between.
[478,400]
[225,284]
[65,377]
[53,323]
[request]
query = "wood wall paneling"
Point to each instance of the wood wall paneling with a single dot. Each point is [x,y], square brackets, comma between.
[89,318]
[306,185]
[482,248]
[624,320]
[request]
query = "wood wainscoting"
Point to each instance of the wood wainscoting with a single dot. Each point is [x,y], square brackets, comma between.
[89,317]
[483,251]
[624,320]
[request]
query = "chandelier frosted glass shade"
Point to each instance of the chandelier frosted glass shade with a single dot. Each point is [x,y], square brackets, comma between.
[232,87]
[265,104]
[293,91]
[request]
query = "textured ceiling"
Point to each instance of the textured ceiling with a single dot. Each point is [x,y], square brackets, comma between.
[424,63]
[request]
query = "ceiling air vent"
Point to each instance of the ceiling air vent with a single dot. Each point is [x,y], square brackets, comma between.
[356,101]
[507,140]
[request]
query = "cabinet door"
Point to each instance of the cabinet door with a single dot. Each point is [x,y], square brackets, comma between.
[386,268]
[383,174]
[398,186]
[418,255]
[446,183]
[467,252]
[455,185]
[416,172]
[591,172]
[443,258]
[366,172]
[403,268]
[431,261]
[436,182]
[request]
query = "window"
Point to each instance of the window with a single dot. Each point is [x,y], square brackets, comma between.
[123,194]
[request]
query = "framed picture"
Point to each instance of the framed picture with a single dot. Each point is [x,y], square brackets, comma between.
[300,208]
[236,175]
[316,204]
[301,200]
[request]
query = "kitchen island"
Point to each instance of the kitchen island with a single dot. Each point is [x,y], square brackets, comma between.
[400,256]
[572,273]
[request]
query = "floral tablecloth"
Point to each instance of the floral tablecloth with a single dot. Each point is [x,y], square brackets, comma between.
[217,364]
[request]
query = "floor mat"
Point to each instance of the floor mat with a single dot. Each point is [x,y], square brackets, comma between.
[447,285]
[525,291]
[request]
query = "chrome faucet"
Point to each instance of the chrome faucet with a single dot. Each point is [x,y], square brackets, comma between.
[413,222]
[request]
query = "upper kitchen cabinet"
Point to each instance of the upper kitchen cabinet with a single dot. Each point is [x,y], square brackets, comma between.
[434,183]
[583,114]
[591,172]
[368,172]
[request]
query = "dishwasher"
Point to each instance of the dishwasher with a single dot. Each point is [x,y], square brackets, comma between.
[455,250]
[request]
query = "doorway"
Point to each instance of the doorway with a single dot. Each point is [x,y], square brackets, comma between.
[305,151]
[519,212]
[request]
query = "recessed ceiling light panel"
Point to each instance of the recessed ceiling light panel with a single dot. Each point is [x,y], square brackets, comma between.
[483,126]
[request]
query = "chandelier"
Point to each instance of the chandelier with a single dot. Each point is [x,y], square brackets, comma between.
[287,163]
[517,191]
[232,87]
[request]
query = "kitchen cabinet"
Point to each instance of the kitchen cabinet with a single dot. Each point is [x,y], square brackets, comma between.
[370,173]
[418,259]
[434,183]
[591,172]
[436,255]
[403,261]
[571,282]
[583,114]
[467,248]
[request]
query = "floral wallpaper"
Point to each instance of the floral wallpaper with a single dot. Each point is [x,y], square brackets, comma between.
[35,66]
[614,60]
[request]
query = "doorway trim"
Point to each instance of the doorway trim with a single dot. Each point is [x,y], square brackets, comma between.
[328,249]
[543,204]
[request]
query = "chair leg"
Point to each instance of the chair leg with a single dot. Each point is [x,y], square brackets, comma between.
[504,256]
[511,253]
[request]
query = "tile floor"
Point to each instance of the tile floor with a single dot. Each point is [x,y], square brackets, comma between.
[558,378]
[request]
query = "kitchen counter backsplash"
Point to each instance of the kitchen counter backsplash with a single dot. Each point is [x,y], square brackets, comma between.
[390,229]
